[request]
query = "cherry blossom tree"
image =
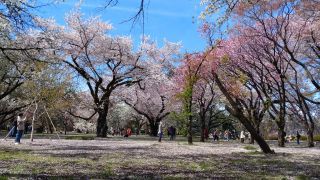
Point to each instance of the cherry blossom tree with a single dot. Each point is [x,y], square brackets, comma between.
[187,76]
[285,38]
[103,62]
[152,98]
[227,72]
[204,98]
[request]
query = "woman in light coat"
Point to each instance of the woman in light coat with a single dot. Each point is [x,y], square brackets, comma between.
[20,127]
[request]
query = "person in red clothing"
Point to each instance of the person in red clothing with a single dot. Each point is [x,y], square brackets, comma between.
[129,132]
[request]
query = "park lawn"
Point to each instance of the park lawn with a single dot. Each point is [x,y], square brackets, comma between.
[136,159]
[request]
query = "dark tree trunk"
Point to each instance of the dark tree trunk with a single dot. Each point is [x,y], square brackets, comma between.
[203,127]
[282,121]
[190,121]
[236,111]
[281,138]
[310,137]
[281,133]
[102,123]
[50,129]
[257,128]
[153,128]
[256,136]
[251,140]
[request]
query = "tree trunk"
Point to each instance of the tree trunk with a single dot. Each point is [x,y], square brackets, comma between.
[153,128]
[281,133]
[236,111]
[190,121]
[102,123]
[257,128]
[254,135]
[251,140]
[203,127]
[32,124]
[281,138]
[310,130]
[190,129]
[310,137]
[282,113]
[50,128]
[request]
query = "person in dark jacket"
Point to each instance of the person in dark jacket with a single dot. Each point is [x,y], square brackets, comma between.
[298,137]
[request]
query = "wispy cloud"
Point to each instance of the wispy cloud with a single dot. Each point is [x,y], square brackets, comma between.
[151,12]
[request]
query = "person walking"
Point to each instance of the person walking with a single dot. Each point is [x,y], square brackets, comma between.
[171,133]
[242,136]
[298,137]
[216,135]
[20,127]
[14,131]
[226,135]
[129,132]
[160,131]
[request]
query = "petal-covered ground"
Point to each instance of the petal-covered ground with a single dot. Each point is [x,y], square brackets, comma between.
[145,158]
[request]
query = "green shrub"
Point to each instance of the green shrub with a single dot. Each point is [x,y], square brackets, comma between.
[316,137]
[302,177]
[303,138]
[272,137]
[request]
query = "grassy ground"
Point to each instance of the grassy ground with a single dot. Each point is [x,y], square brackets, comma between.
[143,157]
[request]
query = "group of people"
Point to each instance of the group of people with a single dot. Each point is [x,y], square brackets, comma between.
[244,136]
[290,138]
[171,131]
[126,132]
[226,135]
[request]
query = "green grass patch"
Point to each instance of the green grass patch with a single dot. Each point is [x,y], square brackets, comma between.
[9,155]
[255,152]
[302,177]
[251,148]
[205,166]
[4,178]
[108,171]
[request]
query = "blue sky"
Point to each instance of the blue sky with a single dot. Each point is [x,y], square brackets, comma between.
[174,20]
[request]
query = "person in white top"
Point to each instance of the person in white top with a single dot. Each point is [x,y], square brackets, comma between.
[160,131]
[242,136]
[20,127]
